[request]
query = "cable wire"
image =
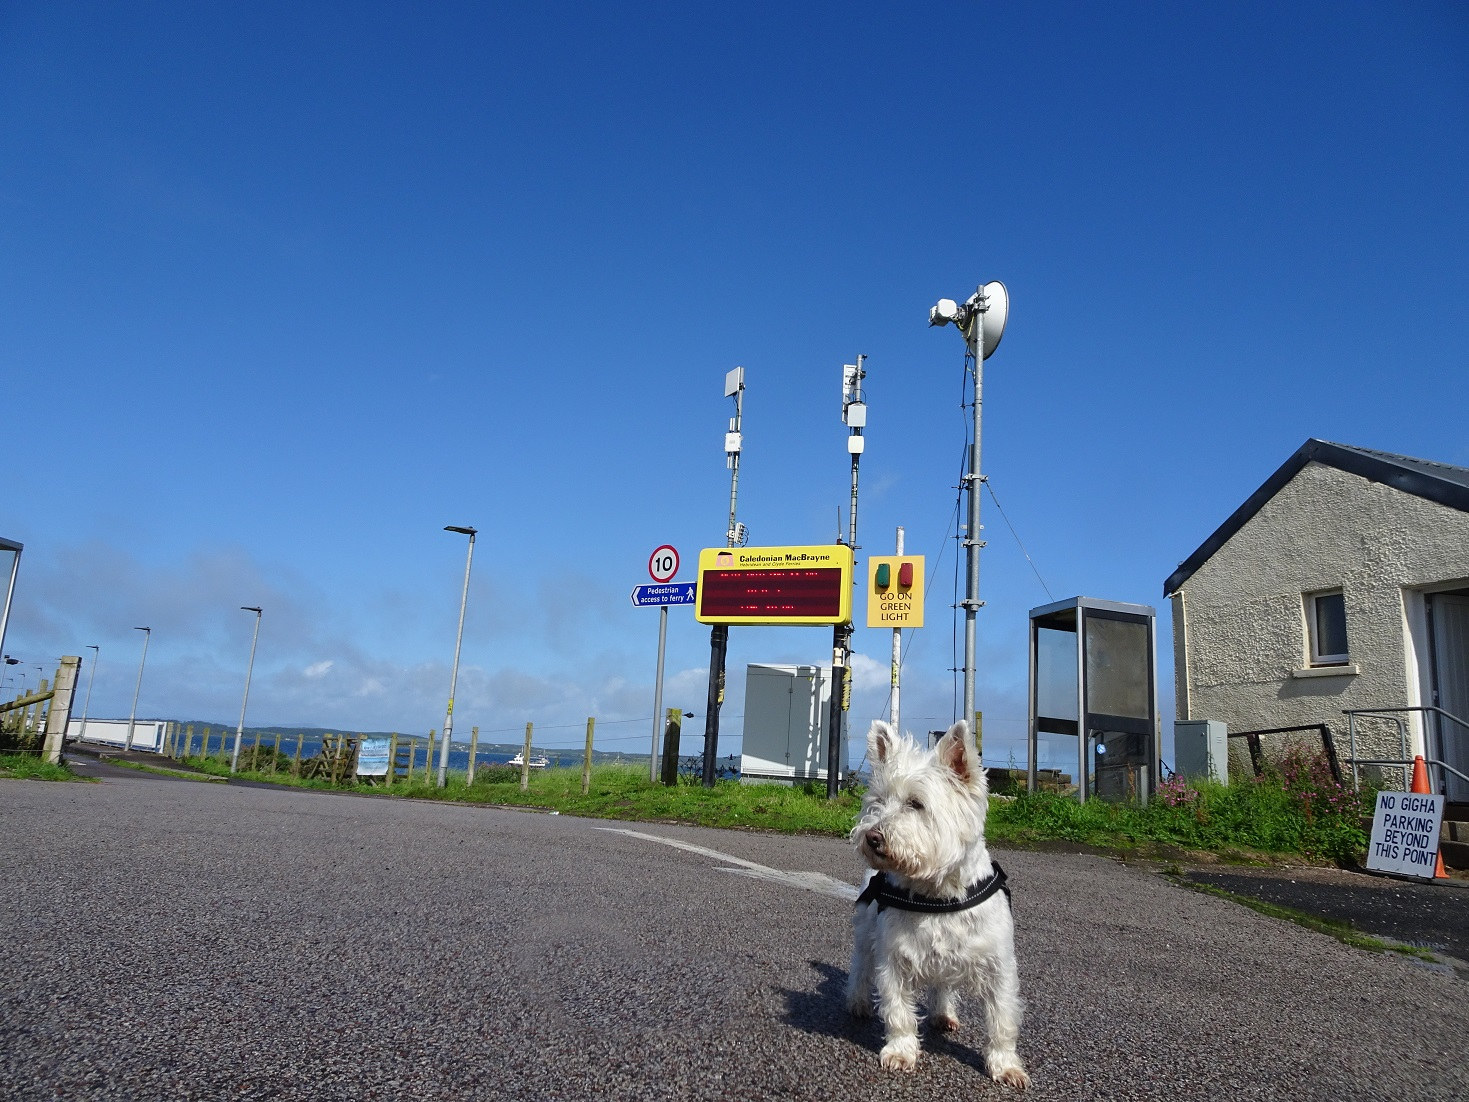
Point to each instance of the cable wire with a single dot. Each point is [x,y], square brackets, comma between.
[1035,569]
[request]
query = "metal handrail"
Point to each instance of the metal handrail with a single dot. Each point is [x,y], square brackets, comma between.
[1394,715]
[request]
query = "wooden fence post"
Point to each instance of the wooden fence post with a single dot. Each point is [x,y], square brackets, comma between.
[296,765]
[525,762]
[671,734]
[586,762]
[58,716]
[428,759]
[392,760]
[473,750]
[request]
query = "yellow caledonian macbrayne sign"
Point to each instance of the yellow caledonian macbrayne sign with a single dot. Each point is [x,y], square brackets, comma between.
[895,591]
[775,585]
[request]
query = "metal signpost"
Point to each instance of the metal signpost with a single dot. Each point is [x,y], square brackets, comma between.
[662,566]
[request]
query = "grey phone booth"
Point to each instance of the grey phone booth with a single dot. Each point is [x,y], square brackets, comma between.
[1094,696]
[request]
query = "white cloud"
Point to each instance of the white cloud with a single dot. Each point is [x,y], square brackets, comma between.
[317,670]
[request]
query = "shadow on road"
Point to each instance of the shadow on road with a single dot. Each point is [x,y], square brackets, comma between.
[824,1012]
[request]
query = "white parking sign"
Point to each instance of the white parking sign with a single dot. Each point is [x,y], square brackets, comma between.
[1405,833]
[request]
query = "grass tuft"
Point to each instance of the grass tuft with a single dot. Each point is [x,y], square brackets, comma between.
[32,767]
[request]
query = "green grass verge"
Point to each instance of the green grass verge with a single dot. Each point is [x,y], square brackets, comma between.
[1344,932]
[616,792]
[1287,815]
[163,770]
[31,767]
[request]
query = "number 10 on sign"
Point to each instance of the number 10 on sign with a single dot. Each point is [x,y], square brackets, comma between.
[663,564]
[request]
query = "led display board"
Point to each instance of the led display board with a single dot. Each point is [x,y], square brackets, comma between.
[775,585]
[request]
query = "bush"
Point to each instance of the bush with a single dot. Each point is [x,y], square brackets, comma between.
[1297,808]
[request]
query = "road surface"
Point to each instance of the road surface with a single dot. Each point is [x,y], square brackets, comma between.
[169,939]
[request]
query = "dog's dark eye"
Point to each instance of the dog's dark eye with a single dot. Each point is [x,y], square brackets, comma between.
[915,804]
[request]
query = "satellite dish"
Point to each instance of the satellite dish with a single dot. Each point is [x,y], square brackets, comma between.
[994,317]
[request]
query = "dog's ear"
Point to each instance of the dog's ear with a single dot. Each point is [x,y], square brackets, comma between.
[879,741]
[957,754]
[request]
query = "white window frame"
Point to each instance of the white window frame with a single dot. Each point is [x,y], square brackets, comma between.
[1313,640]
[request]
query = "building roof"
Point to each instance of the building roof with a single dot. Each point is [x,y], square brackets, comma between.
[1440,482]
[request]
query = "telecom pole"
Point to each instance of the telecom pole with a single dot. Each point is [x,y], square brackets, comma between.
[854,413]
[734,387]
[980,339]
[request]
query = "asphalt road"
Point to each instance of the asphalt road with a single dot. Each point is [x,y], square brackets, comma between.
[177,940]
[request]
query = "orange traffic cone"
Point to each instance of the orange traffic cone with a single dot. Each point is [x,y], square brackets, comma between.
[1421,787]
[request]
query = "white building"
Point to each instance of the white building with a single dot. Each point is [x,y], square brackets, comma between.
[148,734]
[1340,584]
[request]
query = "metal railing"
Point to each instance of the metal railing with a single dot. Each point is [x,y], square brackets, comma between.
[1395,715]
[1257,751]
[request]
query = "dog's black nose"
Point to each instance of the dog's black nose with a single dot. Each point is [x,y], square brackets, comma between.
[874,840]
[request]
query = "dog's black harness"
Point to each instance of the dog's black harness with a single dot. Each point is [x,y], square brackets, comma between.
[885,893]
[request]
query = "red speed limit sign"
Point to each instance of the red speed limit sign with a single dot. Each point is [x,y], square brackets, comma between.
[663,564]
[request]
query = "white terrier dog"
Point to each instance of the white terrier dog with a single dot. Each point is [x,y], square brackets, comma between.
[936,914]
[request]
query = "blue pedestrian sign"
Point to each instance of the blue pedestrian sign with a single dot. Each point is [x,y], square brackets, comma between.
[669,593]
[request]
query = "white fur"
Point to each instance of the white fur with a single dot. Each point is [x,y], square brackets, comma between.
[922,822]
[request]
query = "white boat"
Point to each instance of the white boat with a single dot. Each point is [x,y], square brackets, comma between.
[540,761]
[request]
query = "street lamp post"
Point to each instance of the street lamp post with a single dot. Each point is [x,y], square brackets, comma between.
[249,670]
[454,672]
[91,677]
[133,715]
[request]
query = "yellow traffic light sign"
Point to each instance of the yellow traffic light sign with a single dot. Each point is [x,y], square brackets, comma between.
[895,591]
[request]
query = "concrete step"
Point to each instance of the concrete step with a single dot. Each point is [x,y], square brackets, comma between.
[1453,844]
[1455,855]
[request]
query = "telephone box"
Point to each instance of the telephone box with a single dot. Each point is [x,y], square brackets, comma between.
[1094,696]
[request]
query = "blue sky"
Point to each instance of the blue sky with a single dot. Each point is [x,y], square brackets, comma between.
[287,288]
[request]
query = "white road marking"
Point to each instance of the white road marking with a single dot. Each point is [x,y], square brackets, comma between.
[811,881]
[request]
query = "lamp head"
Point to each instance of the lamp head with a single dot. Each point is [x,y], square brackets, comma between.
[461,531]
[250,608]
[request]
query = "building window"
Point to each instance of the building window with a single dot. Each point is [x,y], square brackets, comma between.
[1326,626]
